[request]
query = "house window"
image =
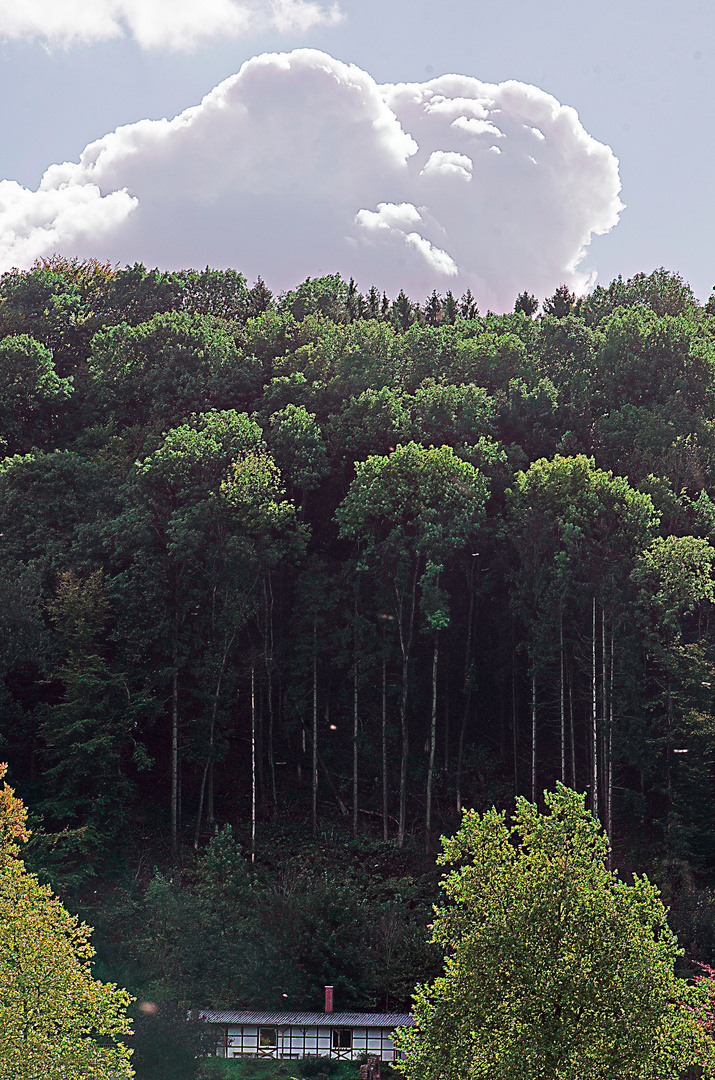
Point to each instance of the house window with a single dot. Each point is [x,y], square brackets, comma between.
[267,1037]
[342,1039]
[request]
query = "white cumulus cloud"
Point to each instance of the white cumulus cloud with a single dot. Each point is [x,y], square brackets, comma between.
[446,162]
[158,24]
[302,165]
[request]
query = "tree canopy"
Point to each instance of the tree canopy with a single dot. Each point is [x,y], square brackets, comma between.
[333,563]
[555,968]
[56,1021]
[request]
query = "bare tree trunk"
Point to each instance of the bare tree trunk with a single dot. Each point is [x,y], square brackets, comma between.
[253,760]
[384,740]
[175,756]
[268,660]
[594,718]
[563,699]
[406,648]
[669,743]
[328,775]
[467,688]
[179,800]
[533,736]
[514,717]
[432,741]
[260,765]
[210,816]
[604,716]
[315,734]
[355,722]
[446,725]
[573,737]
[208,767]
[201,804]
[609,804]
[405,750]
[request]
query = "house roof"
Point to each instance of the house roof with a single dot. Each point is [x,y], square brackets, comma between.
[308,1019]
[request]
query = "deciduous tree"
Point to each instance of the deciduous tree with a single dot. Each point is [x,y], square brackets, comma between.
[56,1021]
[555,968]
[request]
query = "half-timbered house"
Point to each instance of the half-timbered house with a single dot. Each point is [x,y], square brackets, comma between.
[295,1035]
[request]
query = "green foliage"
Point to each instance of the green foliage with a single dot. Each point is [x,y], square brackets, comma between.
[560,304]
[297,443]
[308,913]
[31,392]
[248,1068]
[526,303]
[414,502]
[316,296]
[158,372]
[52,510]
[589,516]
[662,292]
[555,968]
[91,733]
[449,415]
[230,520]
[313,1065]
[376,420]
[56,1021]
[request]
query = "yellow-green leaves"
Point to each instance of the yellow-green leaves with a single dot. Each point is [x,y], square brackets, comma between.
[555,969]
[56,1021]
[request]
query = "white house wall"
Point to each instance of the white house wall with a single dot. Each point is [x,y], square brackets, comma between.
[295,1042]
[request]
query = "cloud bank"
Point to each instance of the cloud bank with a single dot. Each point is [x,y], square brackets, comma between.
[302,165]
[158,24]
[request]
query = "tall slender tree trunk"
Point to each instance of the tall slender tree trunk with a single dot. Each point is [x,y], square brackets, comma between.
[669,741]
[355,721]
[253,760]
[208,766]
[260,765]
[210,816]
[432,743]
[405,750]
[179,778]
[175,755]
[609,804]
[533,736]
[467,689]
[514,715]
[328,775]
[604,716]
[268,660]
[573,737]
[562,695]
[200,811]
[594,718]
[314,784]
[445,684]
[406,634]
[384,740]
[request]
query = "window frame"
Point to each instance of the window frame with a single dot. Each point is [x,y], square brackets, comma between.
[337,1040]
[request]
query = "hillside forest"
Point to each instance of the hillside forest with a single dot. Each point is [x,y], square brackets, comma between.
[288,581]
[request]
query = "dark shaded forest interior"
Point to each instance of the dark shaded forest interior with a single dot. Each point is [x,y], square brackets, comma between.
[287,582]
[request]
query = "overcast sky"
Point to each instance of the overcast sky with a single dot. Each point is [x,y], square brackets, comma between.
[318,163]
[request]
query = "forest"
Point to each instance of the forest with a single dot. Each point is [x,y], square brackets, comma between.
[287,582]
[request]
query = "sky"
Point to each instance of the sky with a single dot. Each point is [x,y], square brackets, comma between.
[290,138]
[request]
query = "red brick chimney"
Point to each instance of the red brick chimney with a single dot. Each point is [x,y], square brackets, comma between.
[328,999]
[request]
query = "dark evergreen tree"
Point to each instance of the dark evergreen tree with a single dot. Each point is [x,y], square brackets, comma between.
[527,303]
[561,303]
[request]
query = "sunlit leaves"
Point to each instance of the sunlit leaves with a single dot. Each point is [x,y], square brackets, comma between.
[555,969]
[56,1021]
